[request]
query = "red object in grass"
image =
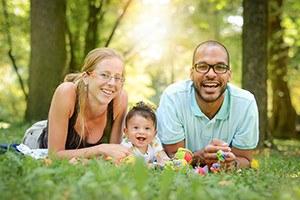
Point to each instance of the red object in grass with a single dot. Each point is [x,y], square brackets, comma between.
[188,157]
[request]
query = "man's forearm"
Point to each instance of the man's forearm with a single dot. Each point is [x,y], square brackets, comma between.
[171,149]
[243,157]
[242,162]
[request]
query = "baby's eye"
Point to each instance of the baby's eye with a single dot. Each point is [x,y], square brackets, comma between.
[135,127]
[147,128]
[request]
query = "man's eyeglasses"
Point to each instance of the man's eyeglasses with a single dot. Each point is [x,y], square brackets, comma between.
[107,77]
[218,68]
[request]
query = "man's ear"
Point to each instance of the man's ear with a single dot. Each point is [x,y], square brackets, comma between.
[191,73]
[229,75]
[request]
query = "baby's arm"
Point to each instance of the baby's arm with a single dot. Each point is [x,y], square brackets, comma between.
[162,157]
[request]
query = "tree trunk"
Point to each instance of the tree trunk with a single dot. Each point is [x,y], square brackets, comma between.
[91,38]
[283,120]
[48,54]
[254,71]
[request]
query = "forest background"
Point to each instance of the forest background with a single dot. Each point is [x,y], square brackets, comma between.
[41,41]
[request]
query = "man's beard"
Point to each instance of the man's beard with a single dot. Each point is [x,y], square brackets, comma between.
[209,100]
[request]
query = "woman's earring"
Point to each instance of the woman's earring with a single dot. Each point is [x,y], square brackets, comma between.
[86,87]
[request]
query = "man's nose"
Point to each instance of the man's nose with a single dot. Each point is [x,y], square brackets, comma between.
[211,73]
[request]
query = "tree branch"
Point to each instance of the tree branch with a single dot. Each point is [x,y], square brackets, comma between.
[9,40]
[117,23]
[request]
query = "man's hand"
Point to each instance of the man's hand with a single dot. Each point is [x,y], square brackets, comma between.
[210,151]
[234,158]
[208,155]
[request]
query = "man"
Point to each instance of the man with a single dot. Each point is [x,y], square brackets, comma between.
[207,114]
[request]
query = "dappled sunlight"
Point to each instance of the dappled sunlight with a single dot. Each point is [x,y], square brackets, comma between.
[4,125]
[294,175]
[152,28]
[236,20]
[150,39]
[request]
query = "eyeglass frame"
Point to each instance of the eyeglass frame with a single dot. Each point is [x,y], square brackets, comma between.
[211,66]
[105,76]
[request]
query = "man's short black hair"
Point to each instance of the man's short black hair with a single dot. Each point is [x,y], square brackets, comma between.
[211,43]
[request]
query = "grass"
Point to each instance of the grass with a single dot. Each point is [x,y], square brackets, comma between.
[278,177]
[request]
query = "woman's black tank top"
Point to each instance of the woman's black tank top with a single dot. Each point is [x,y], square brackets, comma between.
[73,138]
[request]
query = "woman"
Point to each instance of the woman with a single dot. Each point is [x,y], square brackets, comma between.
[87,110]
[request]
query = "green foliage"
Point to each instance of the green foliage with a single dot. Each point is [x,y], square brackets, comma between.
[22,177]
[156,38]
[12,133]
[77,11]
[291,24]
[12,100]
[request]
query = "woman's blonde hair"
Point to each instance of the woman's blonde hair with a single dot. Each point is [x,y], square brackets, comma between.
[91,60]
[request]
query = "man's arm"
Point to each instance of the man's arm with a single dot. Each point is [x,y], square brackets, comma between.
[243,157]
[171,149]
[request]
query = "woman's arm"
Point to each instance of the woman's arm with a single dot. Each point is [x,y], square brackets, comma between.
[120,109]
[61,109]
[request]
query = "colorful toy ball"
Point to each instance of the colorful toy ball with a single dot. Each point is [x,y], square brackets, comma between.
[221,156]
[183,153]
[180,163]
[177,165]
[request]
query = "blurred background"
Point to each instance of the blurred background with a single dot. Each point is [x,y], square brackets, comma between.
[41,41]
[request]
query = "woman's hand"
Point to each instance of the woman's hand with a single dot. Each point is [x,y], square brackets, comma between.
[114,151]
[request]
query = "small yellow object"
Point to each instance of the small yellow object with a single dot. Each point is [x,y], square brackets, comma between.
[129,159]
[47,161]
[254,164]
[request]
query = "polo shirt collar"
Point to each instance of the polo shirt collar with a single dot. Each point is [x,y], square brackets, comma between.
[222,113]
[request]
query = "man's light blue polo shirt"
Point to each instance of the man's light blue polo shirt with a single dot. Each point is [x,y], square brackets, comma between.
[180,118]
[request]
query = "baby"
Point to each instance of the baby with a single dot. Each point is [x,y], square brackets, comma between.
[140,134]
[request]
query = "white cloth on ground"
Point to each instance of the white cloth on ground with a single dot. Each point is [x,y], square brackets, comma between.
[34,153]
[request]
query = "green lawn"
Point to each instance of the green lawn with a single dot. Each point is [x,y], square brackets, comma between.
[278,177]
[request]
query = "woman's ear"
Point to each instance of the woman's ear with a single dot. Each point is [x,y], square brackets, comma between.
[85,76]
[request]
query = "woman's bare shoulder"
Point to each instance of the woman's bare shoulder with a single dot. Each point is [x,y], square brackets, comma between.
[67,87]
[64,97]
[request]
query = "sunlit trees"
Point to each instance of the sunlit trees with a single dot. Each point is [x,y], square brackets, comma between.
[283,113]
[157,39]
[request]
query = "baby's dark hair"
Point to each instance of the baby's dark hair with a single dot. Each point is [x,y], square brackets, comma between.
[144,110]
